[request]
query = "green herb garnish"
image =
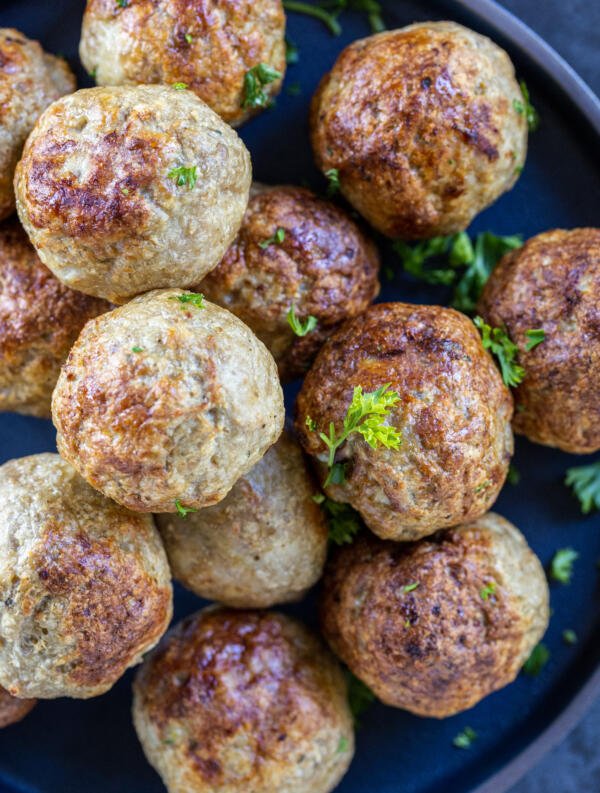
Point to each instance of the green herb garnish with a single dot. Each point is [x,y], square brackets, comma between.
[184,175]
[137,349]
[189,38]
[537,660]
[180,86]
[343,745]
[531,114]
[301,327]
[360,697]
[254,80]
[465,738]
[535,336]
[276,239]
[343,521]
[333,178]
[561,567]
[183,511]
[195,298]
[292,54]
[513,477]
[410,587]
[328,11]
[585,481]
[122,3]
[488,590]
[293,89]
[415,257]
[569,636]
[497,341]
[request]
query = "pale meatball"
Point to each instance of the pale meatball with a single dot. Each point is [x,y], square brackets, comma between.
[265,543]
[243,702]
[207,46]
[459,612]
[552,285]
[453,416]
[12,709]
[426,126]
[40,319]
[85,584]
[164,403]
[123,190]
[30,80]
[295,251]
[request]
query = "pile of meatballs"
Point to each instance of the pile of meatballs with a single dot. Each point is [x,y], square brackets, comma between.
[152,301]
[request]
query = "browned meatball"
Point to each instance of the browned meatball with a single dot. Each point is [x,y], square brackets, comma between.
[552,284]
[243,702]
[453,414]
[434,626]
[208,45]
[13,709]
[323,266]
[40,320]
[426,126]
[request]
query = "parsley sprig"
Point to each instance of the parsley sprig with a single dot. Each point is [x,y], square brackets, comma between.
[465,738]
[538,659]
[360,697]
[343,521]
[534,336]
[195,298]
[184,175]
[276,239]
[182,510]
[328,12]
[254,81]
[497,341]
[561,566]
[299,326]
[333,182]
[585,481]
[526,108]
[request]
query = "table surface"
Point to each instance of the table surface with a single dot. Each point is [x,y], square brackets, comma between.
[572,28]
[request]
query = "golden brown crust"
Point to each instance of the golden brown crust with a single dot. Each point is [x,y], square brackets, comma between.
[553,283]
[325,266]
[440,647]
[12,709]
[453,413]
[207,44]
[242,700]
[40,320]
[420,124]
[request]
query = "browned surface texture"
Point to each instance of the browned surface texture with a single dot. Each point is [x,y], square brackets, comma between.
[39,322]
[453,413]
[13,709]
[326,267]
[243,701]
[421,125]
[553,283]
[441,647]
[207,44]
[30,80]
[85,584]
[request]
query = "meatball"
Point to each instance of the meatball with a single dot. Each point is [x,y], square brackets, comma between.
[13,709]
[165,402]
[265,543]
[426,126]
[453,415]
[436,625]
[123,190]
[207,46]
[85,584]
[322,265]
[30,80]
[552,284]
[39,322]
[243,701]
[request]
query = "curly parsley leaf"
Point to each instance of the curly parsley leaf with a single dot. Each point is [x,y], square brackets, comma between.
[465,738]
[488,590]
[184,175]
[254,81]
[333,179]
[497,341]
[182,510]
[538,659]
[561,566]
[415,257]
[534,336]
[276,239]
[299,326]
[195,298]
[343,521]
[585,481]
[360,697]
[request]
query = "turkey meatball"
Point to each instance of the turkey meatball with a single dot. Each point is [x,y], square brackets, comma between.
[12,709]
[243,701]
[165,402]
[426,126]
[265,543]
[295,252]
[207,46]
[552,286]
[85,584]
[123,190]
[39,322]
[30,80]
[436,625]
[452,414]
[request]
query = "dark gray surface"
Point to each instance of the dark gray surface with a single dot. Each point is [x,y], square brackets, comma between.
[573,29]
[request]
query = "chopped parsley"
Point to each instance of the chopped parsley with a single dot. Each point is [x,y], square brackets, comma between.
[343,745]
[497,341]
[569,636]
[137,349]
[538,659]
[366,416]
[301,327]
[189,38]
[254,80]
[513,477]
[360,697]
[195,298]
[488,590]
[535,336]
[122,3]
[328,11]
[184,175]
[465,738]
[561,567]
[333,178]
[531,114]
[343,521]
[410,587]
[180,86]
[183,511]
[415,257]
[292,54]
[585,481]
[276,239]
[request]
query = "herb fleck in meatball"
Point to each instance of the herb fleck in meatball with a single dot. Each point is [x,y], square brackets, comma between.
[426,126]
[12,709]
[85,585]
[295,250]
[127,189]
[165,402]
[207,46]
[453,416]
[243,701]
[552,285]
[30,80]
[434,626]
[39,322]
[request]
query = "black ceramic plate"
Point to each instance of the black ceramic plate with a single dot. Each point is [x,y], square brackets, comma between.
[71,747]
